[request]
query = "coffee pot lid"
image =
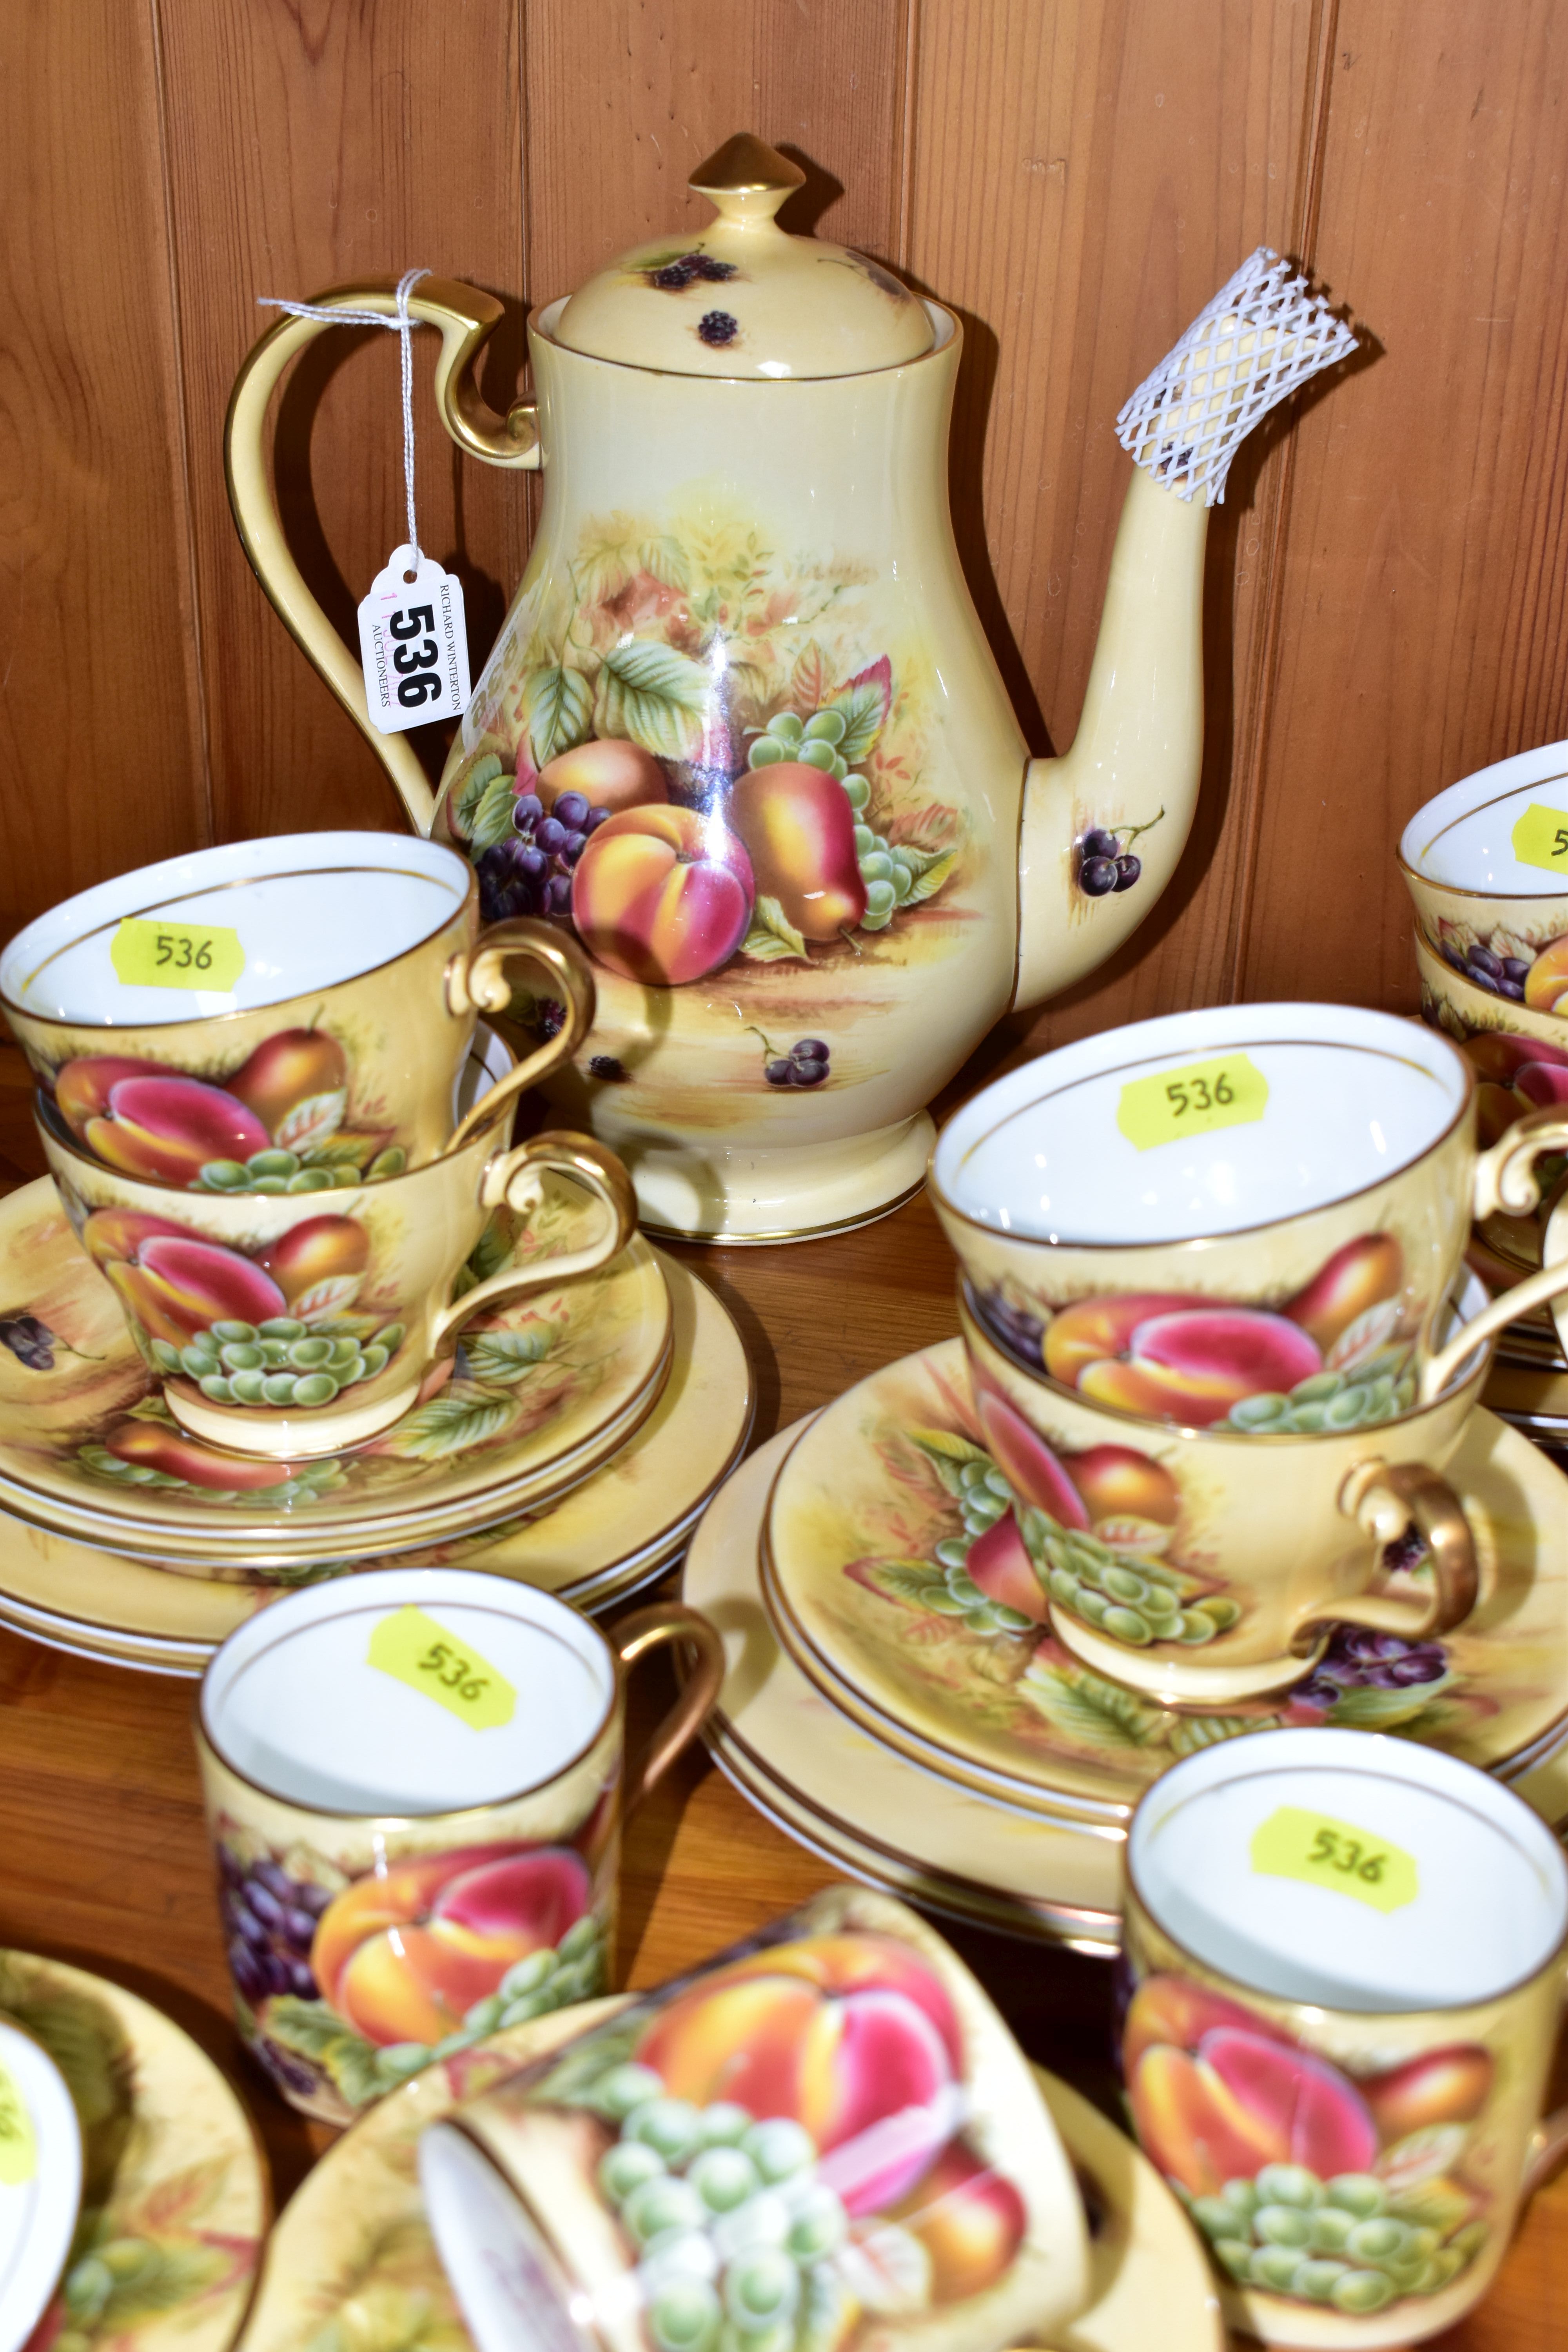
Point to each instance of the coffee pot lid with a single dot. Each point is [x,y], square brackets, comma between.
[743,297]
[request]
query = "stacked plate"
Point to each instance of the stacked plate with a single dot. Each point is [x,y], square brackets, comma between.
[887,1715]
[570,1441]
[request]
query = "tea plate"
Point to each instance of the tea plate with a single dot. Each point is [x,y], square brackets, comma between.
[531,1401]
[620,1527]
[855,1800]
[351,2257]
[175,2200]
[849,1565]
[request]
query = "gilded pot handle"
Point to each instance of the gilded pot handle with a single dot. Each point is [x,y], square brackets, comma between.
[1387,1500]
[466,318]
[652,1628]
[513,1177]
[477,982]
[1506,1182]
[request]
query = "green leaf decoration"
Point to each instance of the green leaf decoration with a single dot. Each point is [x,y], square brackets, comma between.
[919,861]
[654,695]
[808,678]
[1364,1710]
[1191,1732]
[473,781]
[505,1356]
[573,2079]
[926,886]
[311,1122]
[560,712]
[463,1416]
[947,1454]
[492,815]
[168,2278]
[665,561]
[772,937]
[308,2027]
[491,1251]
[908,1581]
[862,708]
[1437,2204]
[350,2063]
[340,1150]
[1095,1713]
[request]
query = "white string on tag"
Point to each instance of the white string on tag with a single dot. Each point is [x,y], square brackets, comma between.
[414,639]
[402,326]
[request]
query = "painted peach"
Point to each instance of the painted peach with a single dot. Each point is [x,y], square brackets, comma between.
[971,2221]
[1120,1485]
[1192,2125]
[404,1955]
[154,1445]
[799,831]
[1000,1565]
[82,1087]
[1451,2086]
[1199,1361]
[1318,2115]
[168,1128]
[296,1066]
[1365,1273]
[663,895]
[318,1266]
[609,775]
[1542,1083]
[1091,1328]
[1033,1470]
[1173,2008]
[179,1285]
[1497,1056]
[111,1233]
[1546,981]
[841,2033]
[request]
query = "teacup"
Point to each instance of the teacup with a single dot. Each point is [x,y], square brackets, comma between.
[1487,866]
[343,974]
[292,1326]
[1203,1566]
[41,2169]
[1345,1955]
[416,1784]
[825,2136]
[1181,1217]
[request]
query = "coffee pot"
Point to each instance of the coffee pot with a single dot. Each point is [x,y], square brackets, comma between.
[742,729]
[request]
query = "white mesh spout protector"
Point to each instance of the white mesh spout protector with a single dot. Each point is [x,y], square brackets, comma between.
[1264,333]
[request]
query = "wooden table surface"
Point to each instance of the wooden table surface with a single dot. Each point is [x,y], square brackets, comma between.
[105,1859]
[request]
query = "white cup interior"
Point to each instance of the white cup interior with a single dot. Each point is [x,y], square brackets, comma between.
[309,908]
[1465,837]
[1491,1900]
[292,1702]
[501,2270]
[37,2213]
[1353,1097]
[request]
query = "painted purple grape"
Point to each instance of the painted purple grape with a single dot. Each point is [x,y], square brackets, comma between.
[1097,876]
[571,810]
[781,1073]
[1098,843]
[1128,869]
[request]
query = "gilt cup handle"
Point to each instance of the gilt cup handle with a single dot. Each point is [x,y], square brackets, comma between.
[1386,1500]
[651,1629]
[477,982]
[512,1178]
[1505,1181]
[466,318]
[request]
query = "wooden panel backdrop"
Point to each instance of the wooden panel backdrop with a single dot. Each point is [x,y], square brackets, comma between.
[1075,175]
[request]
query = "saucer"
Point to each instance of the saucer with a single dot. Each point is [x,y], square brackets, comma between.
[849,1565]
[532,1403]
[618,1529]
[856,1802]
[175,2200]
[354,2234]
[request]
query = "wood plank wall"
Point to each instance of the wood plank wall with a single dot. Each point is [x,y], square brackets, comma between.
[1076,176]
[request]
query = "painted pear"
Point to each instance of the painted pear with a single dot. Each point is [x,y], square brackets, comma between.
[799,827]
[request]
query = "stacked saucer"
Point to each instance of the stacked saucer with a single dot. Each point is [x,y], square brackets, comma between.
[893,1721]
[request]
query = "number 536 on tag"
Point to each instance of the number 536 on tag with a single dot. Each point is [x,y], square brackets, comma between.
[414,644]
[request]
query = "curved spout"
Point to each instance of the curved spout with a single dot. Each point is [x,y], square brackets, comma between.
[1138,750]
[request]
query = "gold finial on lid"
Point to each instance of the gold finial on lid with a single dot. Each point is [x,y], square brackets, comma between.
[746,166]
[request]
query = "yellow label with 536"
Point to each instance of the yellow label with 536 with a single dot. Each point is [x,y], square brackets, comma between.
[176,955]
[1541,838]
[19,2147]
[1229,1092]
[1321,1852]
[414,1649]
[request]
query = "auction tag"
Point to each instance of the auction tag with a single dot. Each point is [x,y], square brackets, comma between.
[414,1649]
[1320,1852]
[1167,1107]
[414,644]
[176,955]
[19,2147]
[1541,838]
